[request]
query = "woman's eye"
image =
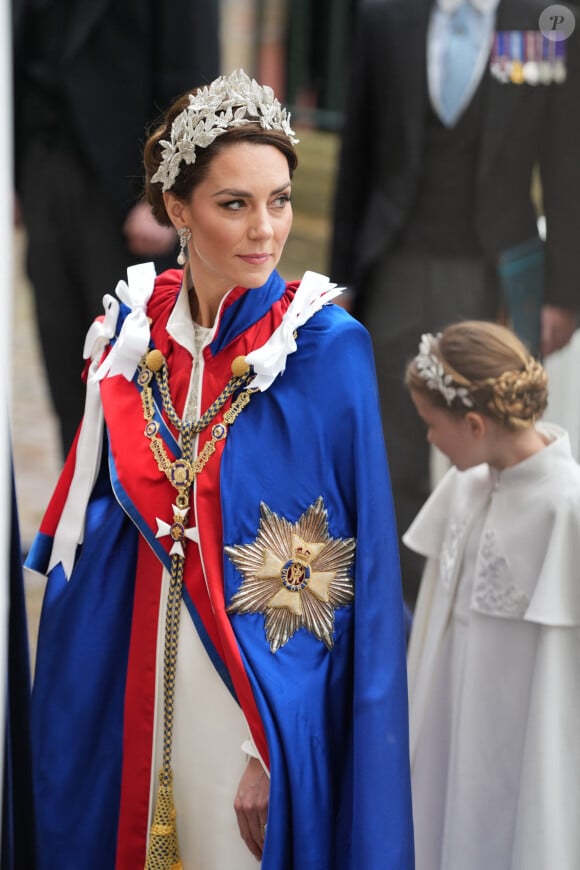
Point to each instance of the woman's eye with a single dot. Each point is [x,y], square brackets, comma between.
[233,204]
[282,200]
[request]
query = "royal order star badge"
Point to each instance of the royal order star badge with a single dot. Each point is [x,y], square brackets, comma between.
[295,574]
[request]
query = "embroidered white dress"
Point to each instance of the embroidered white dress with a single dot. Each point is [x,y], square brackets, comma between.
[494,667]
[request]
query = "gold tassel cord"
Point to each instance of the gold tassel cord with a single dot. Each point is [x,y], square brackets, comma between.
[163,851]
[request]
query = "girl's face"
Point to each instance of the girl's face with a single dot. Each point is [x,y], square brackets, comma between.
[455,436]
[240,217]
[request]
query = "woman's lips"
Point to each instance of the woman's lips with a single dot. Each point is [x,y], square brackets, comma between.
[255,259]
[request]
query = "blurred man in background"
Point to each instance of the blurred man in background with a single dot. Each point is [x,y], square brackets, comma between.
[89,76]
[453,106]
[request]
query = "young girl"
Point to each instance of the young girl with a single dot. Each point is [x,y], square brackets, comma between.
[494,657]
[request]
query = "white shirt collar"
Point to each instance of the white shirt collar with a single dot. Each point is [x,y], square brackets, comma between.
[483,6]
[180,324]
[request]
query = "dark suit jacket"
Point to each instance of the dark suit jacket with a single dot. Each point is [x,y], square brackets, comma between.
[383,140]
[124,62]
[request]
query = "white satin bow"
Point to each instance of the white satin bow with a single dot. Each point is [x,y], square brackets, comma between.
[132,343]
[134,336]
[101,331]
[269,361]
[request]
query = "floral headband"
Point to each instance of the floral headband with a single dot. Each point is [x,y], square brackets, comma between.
[228,102]
[432,371]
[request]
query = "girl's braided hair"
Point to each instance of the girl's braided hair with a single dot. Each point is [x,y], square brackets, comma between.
[481,366]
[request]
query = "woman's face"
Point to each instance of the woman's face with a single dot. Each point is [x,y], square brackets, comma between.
[240,217]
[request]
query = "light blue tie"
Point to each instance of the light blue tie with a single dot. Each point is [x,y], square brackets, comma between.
[459,60]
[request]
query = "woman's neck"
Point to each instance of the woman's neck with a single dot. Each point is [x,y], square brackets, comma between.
[204,307]
[203,312]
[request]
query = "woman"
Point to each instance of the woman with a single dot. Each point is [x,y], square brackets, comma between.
[237,580]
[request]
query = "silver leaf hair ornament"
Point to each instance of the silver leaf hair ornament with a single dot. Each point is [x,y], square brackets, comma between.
[228,102]
[433,373]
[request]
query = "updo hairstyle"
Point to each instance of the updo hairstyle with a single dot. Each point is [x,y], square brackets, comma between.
[492,368]
[190,175]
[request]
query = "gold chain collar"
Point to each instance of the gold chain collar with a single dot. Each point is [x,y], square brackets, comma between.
[182,472]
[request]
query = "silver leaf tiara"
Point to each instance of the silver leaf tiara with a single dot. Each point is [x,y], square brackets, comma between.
[433,373]
[229,101]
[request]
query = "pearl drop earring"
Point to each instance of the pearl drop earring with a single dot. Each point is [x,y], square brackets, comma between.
[184,234]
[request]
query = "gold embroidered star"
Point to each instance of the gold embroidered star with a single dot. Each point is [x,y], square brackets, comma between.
[295,574]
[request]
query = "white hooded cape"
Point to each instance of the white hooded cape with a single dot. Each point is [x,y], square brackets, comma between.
[494,667]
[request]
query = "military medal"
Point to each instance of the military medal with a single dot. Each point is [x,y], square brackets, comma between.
[531,68]
[559,71]
[494,64]
[517,67]
[500,65]
[545,67]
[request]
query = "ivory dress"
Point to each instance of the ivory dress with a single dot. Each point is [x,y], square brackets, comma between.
[494,667]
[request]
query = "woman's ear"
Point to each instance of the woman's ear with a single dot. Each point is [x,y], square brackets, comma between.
[175,209]
[476,423]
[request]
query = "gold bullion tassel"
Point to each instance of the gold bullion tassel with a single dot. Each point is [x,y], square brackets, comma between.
[163,852]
